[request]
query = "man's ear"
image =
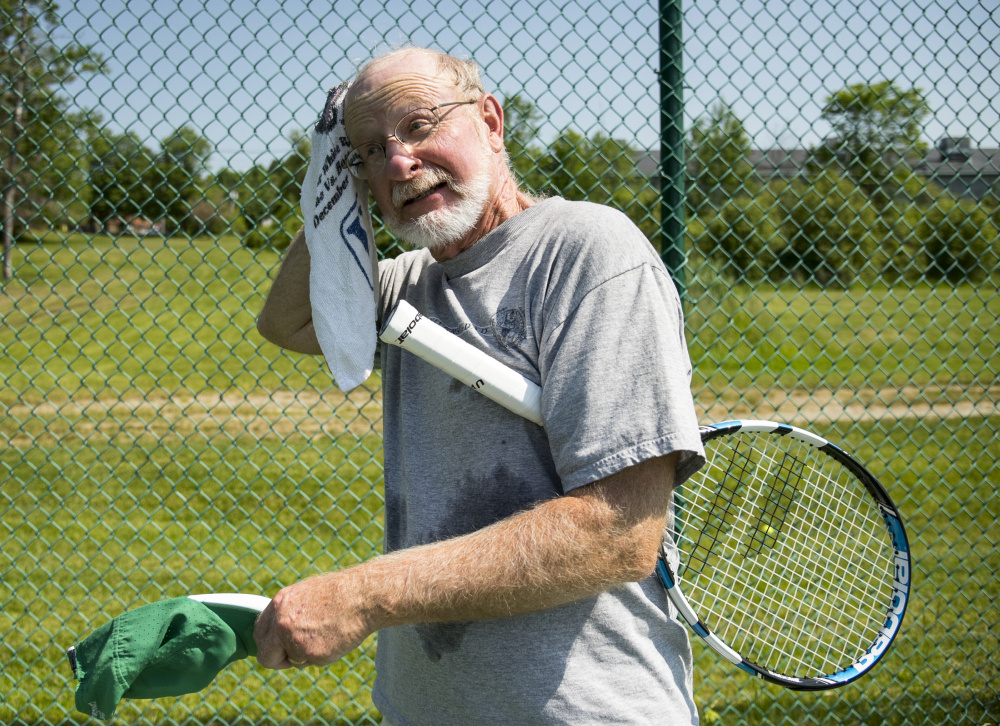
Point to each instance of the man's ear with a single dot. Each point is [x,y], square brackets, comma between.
[493,118]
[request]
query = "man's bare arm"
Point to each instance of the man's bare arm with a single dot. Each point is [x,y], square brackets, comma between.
[599,536]
[286,319]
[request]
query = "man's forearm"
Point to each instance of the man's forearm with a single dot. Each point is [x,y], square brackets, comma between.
[286,318]
[600,536]
[560,551]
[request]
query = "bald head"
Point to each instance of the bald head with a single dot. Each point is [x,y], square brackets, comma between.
[464,76]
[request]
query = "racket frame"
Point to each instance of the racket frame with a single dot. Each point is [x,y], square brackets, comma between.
[896,606]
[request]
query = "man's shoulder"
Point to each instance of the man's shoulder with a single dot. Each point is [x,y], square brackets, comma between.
[580,213]
[404,261]
[585,233]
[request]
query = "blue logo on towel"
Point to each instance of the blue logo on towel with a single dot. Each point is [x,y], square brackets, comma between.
[352,226]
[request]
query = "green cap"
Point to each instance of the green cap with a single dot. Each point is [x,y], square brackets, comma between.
[167,648]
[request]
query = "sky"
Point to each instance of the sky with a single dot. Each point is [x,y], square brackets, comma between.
[248,75]
[776,63]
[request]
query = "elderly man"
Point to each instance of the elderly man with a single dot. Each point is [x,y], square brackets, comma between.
[515,586]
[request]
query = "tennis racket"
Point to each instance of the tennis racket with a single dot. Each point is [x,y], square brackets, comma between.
[795,564]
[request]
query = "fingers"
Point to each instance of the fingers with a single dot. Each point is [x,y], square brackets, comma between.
[273,651]
[309,623]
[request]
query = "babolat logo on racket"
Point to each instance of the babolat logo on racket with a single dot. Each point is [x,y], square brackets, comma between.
[900,591]
[409,329]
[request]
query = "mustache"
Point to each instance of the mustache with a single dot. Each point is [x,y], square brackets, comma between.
[415,187]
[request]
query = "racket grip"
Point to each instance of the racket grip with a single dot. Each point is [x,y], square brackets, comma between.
[410,330]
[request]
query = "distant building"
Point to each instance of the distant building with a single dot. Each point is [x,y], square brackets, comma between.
[961,169]
[137,226]
[953,164]
[778,164]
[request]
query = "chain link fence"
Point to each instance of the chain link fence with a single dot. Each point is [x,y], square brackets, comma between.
[840,267]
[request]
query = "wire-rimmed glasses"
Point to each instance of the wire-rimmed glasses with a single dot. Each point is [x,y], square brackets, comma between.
[415,128]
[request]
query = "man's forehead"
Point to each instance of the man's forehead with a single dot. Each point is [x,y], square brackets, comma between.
[415,60]
[408,79]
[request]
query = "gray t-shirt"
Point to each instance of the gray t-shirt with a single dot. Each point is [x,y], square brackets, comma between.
[574,297]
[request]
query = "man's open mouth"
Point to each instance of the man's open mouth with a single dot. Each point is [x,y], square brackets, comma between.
[425,193]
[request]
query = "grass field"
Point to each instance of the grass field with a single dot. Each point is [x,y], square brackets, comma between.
[152,445]
[872,337]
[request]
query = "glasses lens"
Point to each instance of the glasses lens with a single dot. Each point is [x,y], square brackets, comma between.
[416,126]
[366,161]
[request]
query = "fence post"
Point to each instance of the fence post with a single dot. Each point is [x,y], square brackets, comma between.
[672,193]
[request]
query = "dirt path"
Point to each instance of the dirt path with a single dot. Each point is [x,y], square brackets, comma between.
[282,414]
[802,407]
[309,414]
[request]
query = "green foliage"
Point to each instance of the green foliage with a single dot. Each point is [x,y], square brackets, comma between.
[176,180]
[598,169]
[118,166]
[270,195]
[877,117]
[858,215]
[286,176]
[959,242]
[38,140]
[581,168]
[739,240]
[273,233]
[828,225]
[521,119]
[718,161]
[875,126]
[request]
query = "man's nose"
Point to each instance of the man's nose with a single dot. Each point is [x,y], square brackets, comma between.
[400,161]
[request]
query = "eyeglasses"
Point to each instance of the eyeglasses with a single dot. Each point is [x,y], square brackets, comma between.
[414,129]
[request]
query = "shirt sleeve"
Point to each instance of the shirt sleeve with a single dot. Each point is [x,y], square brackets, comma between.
[616,380]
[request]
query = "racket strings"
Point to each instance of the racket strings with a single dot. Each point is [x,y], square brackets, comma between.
[779,620]
[778,575]
[785,580]
[778,495]
[705,546]
[788,632]
[797,521]
[829,515]
[775,620]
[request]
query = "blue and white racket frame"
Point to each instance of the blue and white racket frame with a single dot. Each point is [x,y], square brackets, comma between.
[895,607]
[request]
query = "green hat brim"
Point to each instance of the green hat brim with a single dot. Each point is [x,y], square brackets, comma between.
[168,648]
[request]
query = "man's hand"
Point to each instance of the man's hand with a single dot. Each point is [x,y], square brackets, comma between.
[310,623]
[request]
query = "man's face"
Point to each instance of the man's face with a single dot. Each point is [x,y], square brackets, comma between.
[434,193]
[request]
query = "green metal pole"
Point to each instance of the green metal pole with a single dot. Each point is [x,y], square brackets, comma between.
[672,192]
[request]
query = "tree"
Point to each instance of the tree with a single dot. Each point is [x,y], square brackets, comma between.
[602,170]
[874,127]
[176,180]
[521,119]
[959,241]
[830,231]
[37,133]
[219,211]
[118,166]
[287,175]
[739,238]
[718,161]
[269,197]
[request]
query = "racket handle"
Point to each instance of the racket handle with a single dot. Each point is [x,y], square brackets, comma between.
[408,329]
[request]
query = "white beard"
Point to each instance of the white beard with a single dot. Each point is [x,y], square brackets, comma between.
[441,227]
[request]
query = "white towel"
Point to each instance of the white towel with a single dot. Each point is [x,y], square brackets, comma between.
[343,277]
